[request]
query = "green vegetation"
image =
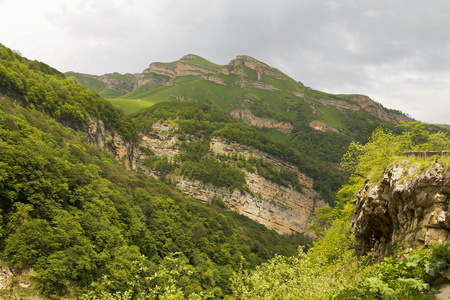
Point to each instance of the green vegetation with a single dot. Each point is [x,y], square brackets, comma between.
[74,215]
[38,86]
[370,160]
[85,225]
[90,229]
[316,153]
[206,121]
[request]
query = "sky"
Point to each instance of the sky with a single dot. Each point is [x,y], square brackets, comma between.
[397,52]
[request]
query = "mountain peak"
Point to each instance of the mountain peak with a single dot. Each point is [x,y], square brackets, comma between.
[191,56]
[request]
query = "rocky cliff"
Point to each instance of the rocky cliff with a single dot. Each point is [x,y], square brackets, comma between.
[249,119]
[109,140]
[283,209]
[407,207]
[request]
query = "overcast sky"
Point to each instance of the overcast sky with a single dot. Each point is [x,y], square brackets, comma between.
[395,51]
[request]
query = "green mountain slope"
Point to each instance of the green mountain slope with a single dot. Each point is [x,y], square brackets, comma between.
[74,221]
[318,125]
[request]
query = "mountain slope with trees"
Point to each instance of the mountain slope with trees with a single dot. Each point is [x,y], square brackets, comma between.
[79,223]
[320,126]
[76,223]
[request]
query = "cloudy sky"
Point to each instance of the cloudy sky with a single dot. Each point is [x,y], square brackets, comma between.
[395,51]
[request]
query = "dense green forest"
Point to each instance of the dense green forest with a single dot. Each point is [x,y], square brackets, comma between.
[82,226]
[36,85]
[85,224]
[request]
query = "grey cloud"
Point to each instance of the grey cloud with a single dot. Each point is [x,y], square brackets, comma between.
[394,51]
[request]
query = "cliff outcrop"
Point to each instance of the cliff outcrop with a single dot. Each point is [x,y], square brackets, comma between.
[283,209]
[321,126]
[407,207]
[379,111]
[109,140]
[249,119]
[236,67]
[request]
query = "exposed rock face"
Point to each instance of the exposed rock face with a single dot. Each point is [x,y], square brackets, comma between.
[338,104]
[143,79]
[11,278]
[111,141]
[180,69]
[162,143]
[264,86]
[321,126]
[224,147]
[214,79]
[378,111]
[180,98]
[282,209]
[249,119]
[406,206]
[236,66]
[114,83]
[367,104]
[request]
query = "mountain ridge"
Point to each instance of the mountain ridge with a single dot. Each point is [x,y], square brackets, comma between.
[162,74]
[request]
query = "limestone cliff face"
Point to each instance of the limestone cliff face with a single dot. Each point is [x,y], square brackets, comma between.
[180,69]
[338,104]
[407,207]
[378,111]
[367,104]
[280,208]
[249,119]
[236,67]
[321,126]
[123,151]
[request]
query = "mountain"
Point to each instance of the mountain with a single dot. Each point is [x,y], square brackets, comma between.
[318,125]
[75,221]
[244,84]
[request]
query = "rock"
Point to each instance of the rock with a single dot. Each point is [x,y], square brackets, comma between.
[109,140]
[280,208]
[379,111]
[249,119]
[321,126]
[404,205]
[264,86]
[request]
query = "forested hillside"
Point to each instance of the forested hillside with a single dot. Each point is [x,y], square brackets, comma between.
[205,121]
[313,129]
[84,224]
[76,224]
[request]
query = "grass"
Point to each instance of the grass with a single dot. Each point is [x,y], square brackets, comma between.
[109,93]
[277,135]
[201,61]
[130,105]
[332,117]
[443,126]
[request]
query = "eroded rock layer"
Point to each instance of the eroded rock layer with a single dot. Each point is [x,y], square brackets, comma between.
[407,207]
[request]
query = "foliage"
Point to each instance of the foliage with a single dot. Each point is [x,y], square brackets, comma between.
[370,160]
[37,85]
[206,121]
[74,215]
[399,278]
[439,264]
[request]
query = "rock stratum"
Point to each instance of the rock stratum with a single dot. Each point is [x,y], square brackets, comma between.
[283,209]
[406,208]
